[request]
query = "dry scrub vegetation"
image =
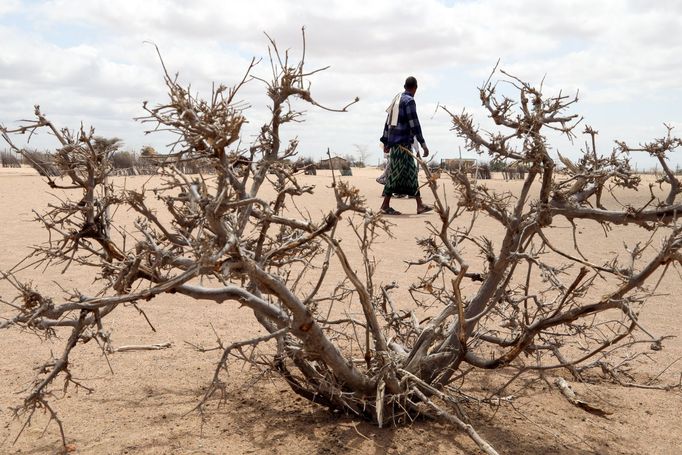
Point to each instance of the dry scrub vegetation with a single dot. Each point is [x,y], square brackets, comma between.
[340,339]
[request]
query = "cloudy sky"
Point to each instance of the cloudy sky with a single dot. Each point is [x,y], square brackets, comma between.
[86,60]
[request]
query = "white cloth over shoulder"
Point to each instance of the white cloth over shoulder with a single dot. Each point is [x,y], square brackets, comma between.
[393,110]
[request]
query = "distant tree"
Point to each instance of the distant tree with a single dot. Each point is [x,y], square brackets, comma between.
[148,151]
[362,155]
[497,166]
[350,159]
[123,160]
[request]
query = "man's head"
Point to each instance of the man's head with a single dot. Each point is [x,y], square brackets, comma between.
[411,84]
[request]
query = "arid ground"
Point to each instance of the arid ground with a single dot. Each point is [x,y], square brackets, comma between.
[143,401]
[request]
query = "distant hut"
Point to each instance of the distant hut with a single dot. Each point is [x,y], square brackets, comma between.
[335,162]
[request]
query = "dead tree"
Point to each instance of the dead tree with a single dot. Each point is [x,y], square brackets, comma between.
[527,305]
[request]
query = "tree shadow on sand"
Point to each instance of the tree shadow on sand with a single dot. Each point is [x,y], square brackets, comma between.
[267,418]
[273,425]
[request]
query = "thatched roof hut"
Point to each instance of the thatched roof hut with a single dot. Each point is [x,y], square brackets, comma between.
[336,162]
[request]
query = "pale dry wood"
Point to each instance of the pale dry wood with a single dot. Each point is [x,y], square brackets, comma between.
[143,347]
[226,225]
[572,398]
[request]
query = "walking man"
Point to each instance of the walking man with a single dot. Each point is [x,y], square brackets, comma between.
[400,130]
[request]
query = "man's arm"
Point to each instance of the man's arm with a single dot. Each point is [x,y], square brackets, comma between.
[415,127]
[384,137]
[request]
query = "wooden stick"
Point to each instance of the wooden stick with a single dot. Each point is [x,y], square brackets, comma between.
[143,347]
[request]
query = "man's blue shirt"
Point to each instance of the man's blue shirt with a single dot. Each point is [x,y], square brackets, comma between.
[408,126]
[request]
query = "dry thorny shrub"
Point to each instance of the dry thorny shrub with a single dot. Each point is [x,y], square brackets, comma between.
[528,306]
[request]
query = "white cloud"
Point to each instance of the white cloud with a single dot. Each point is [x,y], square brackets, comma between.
[85,59]
[9,6]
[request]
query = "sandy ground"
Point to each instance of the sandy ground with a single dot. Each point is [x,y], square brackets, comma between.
[146,405]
